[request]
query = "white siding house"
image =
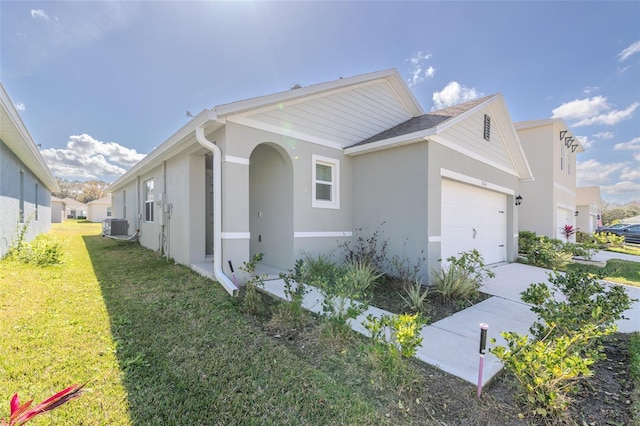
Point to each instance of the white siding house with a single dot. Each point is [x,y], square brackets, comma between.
[57,210]
[300,171]
[548,201]
[100,209]
[26,182]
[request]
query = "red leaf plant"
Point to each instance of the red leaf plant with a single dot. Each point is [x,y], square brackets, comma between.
[21,414]
[567,231]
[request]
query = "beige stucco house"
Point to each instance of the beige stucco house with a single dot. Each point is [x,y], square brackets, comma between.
[26,182]
[549,200]
[100,209]
[589,208]
[74,209]
[301,170]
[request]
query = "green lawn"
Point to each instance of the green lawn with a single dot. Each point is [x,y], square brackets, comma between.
[616,270]
[158,344]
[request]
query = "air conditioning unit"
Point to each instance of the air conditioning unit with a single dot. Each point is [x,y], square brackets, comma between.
[114,227]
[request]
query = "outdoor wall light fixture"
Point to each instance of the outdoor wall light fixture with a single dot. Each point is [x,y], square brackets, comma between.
[576,213]
[518,200]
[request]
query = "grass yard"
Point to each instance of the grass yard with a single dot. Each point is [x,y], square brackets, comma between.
[160,345]
[616,270]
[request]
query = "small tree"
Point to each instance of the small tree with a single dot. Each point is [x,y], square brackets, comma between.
[567,231]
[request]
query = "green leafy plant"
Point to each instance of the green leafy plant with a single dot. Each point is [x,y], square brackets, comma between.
[252,299]
[548,369]
[44,250]
[21,414]
[399,333]
[575,300]
[462,279]
[607,239]
[345,296]
[293,312]
[414,297]
[543,251]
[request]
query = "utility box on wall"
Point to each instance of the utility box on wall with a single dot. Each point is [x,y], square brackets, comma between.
[112,226]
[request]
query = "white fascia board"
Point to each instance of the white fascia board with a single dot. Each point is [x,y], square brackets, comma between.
[407,139]
[559,122]
[157,154]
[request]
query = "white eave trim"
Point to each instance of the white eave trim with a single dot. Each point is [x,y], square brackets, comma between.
[405,139]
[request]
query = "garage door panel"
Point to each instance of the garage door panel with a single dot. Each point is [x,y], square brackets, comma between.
[473,217]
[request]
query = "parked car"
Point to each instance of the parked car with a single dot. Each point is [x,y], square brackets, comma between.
[610,227]
[631,233]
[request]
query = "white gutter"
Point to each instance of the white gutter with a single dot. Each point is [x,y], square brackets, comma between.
[228,285]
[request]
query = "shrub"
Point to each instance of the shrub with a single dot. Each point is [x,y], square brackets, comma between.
[44,250]
[544,251]
[313,270]
[567,231]
[364,249]
[607,239]
[576,300]
[526,241]
[292,313]
[404,270]
[548,369]
[345,296]
[400,333]
[252,300]
[462,279]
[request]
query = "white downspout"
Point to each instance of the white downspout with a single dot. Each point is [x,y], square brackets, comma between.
[228,285]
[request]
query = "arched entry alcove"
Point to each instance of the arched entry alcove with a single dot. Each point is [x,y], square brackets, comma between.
[271,205]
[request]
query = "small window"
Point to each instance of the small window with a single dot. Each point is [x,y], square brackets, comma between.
[326,182]
[562,155]
[108,211]
[487,127]
[148,201]
[124,204]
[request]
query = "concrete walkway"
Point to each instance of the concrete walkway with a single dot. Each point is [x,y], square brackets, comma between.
[452,344]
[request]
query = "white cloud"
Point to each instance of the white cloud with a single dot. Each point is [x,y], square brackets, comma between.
[631,50]
[453,94]
[39,14]
[603,135]
[632,144]
[581,108]
[592,111]
[621,191]
[587,90]
[592,172]
[611,118]
[20,106]
[630,174]
[417,68]
[88,158]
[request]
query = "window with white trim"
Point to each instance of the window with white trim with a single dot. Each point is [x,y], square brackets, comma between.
[36,203]
[148,201]
[109,211]
[562,155]
[326,182]
[21,202]
[124,204]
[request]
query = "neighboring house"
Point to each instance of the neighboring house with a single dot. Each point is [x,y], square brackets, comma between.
[26,182]
[99,210]
[299,172]
[549,200]
[588,208]
[57,210]
[74,209]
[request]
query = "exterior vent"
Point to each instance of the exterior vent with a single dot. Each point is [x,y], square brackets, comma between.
[487,127]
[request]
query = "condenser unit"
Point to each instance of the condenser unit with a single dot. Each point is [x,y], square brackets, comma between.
[113,227]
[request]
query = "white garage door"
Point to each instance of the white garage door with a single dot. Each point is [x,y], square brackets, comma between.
[473,218]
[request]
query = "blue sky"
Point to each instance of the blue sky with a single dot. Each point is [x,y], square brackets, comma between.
[99,83]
